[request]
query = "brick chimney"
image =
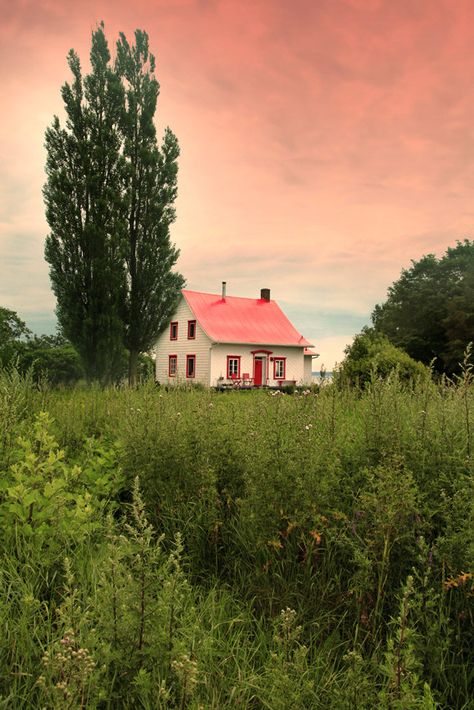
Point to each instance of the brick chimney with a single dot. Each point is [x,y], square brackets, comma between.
[265,294]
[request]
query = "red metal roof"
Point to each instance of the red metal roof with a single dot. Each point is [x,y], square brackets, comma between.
[307,351]
[242,320]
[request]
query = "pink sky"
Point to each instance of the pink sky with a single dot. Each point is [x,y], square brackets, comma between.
[324,143]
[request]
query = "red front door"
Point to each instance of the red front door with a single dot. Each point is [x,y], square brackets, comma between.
[257,375]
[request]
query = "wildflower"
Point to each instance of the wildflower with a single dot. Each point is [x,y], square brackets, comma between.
[276,544]
[291,526]
[459,581]
[316,536]
[187,671]
[308,427]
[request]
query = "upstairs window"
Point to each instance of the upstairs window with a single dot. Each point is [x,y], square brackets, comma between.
[172,365]
[174,330]
[233,367]
[279,368]
[191,329]
[190,366]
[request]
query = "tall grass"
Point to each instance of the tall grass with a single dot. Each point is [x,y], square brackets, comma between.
[195,549]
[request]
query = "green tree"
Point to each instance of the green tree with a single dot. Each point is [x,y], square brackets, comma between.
[109,203]
[85,213]
[12,330]
[52,357]
[429,311]
[150,192]
[373,355]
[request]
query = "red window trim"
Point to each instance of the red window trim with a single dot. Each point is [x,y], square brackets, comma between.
[264,352]
[233,357]
[275,360]
[188,358]
[191,337]
[173,322]
[172,374]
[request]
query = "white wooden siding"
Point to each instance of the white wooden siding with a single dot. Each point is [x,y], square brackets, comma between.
[308,369]
[294,362]
[181,347]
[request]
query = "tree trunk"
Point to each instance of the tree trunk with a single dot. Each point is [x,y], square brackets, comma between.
[132,367]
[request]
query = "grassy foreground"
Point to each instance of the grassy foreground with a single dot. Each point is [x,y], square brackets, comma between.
[189,549]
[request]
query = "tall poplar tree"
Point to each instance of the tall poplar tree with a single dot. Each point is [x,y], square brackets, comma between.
[85,212]
[109,198]
[150,192]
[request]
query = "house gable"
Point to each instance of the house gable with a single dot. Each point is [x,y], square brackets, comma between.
[175,342]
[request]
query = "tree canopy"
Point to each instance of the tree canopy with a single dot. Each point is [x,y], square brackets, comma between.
[45,356]
[373,355]
[12,330]
[109,203]
[429,311]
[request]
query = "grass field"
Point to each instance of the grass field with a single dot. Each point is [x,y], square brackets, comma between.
[191,549]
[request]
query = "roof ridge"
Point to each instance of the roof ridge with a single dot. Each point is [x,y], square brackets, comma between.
[219,296]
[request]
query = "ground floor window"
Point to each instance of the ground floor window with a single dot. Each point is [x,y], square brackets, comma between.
[279,368]
[190,366]
[233,366]
[172,365]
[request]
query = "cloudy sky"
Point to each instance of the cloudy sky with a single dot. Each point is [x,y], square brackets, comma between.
[324,143]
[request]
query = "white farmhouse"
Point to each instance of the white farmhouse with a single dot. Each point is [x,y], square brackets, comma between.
[222,340]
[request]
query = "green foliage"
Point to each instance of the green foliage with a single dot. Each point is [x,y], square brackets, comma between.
[16,401]
[403,689]
[150,177]
[429,311]
[372,356]
[85,246]
[48,358]
[12,330]
[46,502]
[287,681]
[350,510]
[57,364]
[109,204]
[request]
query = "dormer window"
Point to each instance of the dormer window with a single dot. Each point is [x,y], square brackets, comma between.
[174,330]
[191,329]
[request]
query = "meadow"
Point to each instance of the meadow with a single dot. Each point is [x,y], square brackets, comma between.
[194,549]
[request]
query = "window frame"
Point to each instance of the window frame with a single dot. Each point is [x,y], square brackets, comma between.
[171,357]
[189,358]
[172,324]
[191,323]
[229,373]
[278,360]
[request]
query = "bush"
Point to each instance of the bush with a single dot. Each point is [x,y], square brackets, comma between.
[372,356]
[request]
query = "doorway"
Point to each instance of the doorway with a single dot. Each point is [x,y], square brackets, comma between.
[259,370]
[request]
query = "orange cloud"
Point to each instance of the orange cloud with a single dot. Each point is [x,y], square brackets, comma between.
[324,144]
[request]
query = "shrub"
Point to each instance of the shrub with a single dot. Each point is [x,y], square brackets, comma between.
[372,356]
